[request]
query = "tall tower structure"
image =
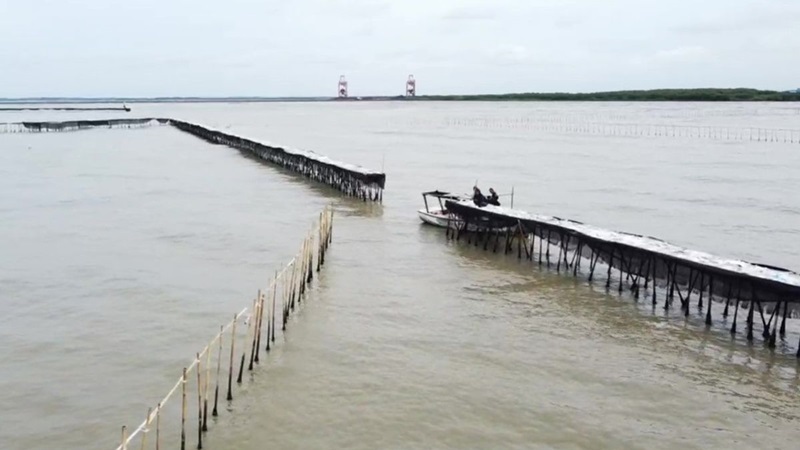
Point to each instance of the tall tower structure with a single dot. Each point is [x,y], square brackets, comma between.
[342,90]
[411,86]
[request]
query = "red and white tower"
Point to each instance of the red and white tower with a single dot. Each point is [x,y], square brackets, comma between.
[342,91]
[411,86]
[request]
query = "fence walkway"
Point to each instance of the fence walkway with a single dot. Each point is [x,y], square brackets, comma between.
[352,180]
[642,262]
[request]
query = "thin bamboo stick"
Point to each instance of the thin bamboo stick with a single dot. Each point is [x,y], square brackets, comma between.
[183,410]
[219,366]
[199,404]
[230,365]
[260,320]
[146,430]
[205,388]
[254,318]
[246,338]
[158,427]
[274,289]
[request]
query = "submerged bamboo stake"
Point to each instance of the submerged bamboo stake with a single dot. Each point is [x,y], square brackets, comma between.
[269,326]
[158,426]
[310,259]
[320,249]
[260,320]
[244,352]
[205,387]
[274,293]
[254,318]
[199,371]
[294,278]
[219,366]
[230,365]
[183,410]
[145,430]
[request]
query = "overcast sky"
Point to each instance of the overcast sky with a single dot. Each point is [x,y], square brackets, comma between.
[300,47]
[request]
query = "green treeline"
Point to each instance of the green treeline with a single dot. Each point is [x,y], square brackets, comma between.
[655,95]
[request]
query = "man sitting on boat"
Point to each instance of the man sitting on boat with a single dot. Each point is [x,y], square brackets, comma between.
[493,198]
[478,198]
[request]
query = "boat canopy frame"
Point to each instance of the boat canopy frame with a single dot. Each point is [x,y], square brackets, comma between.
[439,195]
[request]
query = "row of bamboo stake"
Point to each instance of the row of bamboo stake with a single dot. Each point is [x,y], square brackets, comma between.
[17,127]
[294,280]
[756,134]
[723,133]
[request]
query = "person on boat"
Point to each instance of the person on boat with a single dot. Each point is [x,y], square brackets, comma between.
[493,198]
[478,198]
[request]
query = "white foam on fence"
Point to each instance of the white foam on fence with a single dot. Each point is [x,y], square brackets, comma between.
[301,152]
[649,244]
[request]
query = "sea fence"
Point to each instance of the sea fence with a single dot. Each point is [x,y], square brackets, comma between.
[77,125]
[64,108]
[350,179]
[209,384]
[566,125]
[768,293]
[353,180]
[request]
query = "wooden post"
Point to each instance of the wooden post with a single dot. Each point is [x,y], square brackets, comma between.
[124,443]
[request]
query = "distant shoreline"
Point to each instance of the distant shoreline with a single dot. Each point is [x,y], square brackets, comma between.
[655,95]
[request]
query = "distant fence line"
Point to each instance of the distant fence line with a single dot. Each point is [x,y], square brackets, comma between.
[77,125]
[352,180]
[224,363]
[559,125]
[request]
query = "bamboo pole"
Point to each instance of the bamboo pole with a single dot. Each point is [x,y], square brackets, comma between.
[294,278]
[274,289]
[183,410]
[310,258]
[260,320]
[199,371]
[205,386]
[320,250]
[230,365]
[247,338]
[254,318]
[146,430]
[158,426]
[219,366]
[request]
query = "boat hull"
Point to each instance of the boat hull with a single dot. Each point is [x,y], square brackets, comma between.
[440,219]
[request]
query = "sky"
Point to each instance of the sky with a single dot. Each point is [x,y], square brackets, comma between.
[145,48]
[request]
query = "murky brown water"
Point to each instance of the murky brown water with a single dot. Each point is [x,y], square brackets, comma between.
[123,251]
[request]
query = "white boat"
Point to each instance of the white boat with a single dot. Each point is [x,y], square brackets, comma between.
[441,217]
[438,217]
